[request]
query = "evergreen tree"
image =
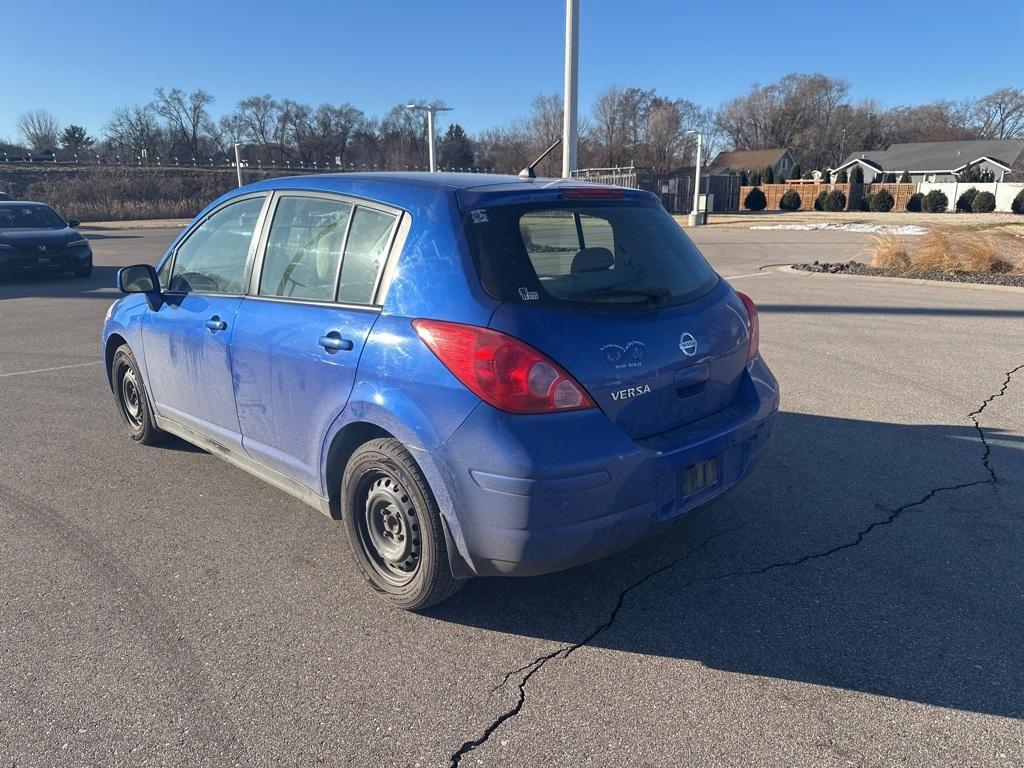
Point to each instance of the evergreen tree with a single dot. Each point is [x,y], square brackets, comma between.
[455,149]
[841,177]
[74,138]
[795,173]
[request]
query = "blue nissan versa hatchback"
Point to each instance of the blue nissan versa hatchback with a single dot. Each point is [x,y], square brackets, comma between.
[479,375]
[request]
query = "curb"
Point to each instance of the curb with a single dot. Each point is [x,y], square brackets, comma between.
[137,224]
[905,280]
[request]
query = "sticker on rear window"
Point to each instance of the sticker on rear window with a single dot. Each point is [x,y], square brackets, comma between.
[479,216]
[527,295]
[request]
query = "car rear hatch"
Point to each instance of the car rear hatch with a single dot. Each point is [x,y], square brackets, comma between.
[613,291]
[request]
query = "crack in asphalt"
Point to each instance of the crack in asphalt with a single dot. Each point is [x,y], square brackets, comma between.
[564,651]
[973,416]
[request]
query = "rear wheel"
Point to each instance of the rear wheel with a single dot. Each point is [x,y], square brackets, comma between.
[394,526]
[132,400]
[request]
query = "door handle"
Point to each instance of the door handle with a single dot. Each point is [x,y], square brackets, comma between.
[333,342]
[216,324]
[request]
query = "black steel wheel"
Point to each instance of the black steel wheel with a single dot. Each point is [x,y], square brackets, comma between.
[394,526]
[131,398]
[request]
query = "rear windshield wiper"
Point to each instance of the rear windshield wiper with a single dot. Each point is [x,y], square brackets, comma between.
[647,291]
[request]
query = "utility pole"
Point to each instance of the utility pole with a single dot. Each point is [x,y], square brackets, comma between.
[431,110]
[695,217]
[571,99]
[238,164]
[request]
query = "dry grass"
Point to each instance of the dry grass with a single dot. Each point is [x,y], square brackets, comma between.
[889,252]
[981,254]
[936,253]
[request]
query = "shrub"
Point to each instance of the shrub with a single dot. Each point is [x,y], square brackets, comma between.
[858,175]
[980,254]
[834,201]
[984,202]
[841,177]
[819,201]
[790,200]
[935,254]
[1017,206]
[744,181]
[888,252]
[905,178]
[755,201]
[963,203]
[826,177]
[935,202]
[795,173]
[769,175]
[914,202]
[882,201]
[756,179]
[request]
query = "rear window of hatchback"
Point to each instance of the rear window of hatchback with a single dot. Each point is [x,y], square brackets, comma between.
[599,256]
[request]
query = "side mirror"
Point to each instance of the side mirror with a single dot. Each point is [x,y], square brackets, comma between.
[74,223]
[140,278]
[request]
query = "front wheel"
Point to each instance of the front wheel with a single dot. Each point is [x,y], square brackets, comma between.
[84,271]
[394,526]
[130,396]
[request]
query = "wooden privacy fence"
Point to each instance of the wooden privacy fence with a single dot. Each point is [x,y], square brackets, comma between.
[809,191]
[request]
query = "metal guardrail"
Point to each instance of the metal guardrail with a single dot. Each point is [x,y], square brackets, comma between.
[117,161]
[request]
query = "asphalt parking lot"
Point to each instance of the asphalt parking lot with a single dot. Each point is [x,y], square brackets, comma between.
[859,600]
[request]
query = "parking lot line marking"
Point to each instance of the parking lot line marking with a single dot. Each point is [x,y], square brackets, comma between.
[752,274]
[45,370]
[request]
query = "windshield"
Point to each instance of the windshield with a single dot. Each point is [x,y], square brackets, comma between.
[592,256]
[29,217]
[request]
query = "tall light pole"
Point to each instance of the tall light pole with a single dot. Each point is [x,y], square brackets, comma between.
[694,218]
[431,110]
[571,98]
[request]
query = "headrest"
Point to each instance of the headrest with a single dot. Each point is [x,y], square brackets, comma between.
[591,260]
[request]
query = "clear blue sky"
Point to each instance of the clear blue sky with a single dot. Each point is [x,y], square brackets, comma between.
[489,58]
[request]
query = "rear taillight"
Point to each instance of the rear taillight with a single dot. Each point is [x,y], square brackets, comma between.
[501,370]
[753,325]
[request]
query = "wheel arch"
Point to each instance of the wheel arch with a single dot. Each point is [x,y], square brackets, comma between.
[344,444]
[114,341]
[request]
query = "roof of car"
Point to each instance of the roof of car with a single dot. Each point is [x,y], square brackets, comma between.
[411,190]
[440,181]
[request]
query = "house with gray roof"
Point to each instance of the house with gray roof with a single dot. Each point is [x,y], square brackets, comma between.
[942,160]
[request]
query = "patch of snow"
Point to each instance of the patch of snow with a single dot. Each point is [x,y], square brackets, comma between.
[881,229]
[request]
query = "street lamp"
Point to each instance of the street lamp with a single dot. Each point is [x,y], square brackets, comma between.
[431,110]
[694,218]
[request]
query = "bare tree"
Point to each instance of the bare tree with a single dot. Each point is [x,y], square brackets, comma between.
[131,130]
[39,129]
[187,115]
[1000,115]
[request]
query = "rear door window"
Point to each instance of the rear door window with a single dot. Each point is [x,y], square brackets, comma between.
[365,251]
[304,248]
[595,255]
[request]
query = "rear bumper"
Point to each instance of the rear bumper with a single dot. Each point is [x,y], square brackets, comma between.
[14,263]
[537,494]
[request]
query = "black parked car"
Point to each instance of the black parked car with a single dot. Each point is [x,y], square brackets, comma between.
[33,238]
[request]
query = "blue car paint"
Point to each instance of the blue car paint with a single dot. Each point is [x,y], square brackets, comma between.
[519,494]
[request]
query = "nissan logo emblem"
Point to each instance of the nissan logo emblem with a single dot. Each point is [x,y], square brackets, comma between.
[688,344]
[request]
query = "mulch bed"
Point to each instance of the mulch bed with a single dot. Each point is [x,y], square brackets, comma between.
[856,268]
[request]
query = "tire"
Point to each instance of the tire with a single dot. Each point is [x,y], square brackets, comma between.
[132,399]
[394,526]
[85,271]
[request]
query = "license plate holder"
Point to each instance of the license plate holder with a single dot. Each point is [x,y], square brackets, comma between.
[699,476]
[43,261]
